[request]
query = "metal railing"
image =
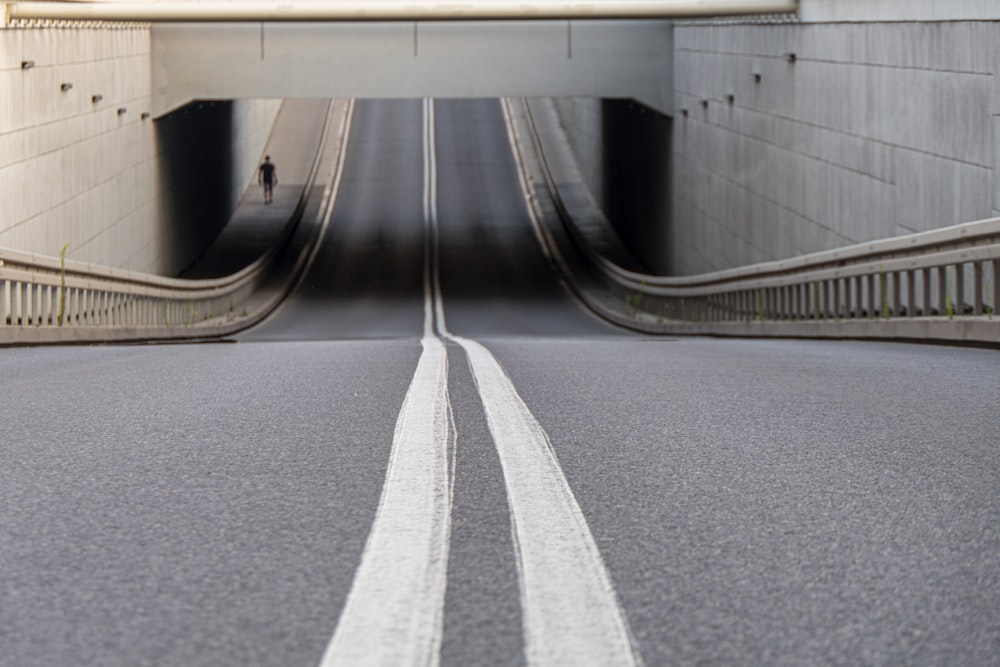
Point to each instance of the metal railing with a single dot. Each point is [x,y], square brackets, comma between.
[945,276]
[49,300]
[40,292]
[941,285]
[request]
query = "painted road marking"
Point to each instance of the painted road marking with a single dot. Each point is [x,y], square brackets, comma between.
[571,613]
[394,612]
[570,609]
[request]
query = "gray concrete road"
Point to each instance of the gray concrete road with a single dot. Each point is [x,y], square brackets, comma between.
[750,502]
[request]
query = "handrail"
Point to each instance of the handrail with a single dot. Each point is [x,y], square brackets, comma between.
[391,10]
[44,300]
[939,285]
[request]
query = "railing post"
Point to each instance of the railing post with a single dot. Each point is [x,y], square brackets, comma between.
[911,293]
[870,284]
[47,316]
[996,286]
[897,306]
[926,289]
[854,299]
[29,309]
[4,303]
[846,296]
[18,303]
[53,305]
[942,290]
[977,288]
[960,289]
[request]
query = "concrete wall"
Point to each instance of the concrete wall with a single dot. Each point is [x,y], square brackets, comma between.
[898,10]
[623,149]
[875,130]
[207,153]
[74,170]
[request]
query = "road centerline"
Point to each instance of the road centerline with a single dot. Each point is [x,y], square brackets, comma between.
[394,612]
[570,610]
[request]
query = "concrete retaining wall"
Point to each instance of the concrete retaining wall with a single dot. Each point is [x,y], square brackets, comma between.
[876,129]
[76,170]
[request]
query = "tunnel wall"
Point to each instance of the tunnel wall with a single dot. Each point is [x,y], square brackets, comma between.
[877,129]
[623,149]
[120,189]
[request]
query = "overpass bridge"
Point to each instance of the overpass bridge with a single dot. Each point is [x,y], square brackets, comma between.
[619,49]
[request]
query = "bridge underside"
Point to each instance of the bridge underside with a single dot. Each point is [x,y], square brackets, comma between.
[621,58]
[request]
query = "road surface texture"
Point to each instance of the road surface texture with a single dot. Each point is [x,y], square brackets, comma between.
[431,453]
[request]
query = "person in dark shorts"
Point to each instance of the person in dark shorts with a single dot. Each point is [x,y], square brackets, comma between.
[267,176]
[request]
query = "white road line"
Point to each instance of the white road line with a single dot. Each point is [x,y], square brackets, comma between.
[433,246]
[394,612]
[571,613]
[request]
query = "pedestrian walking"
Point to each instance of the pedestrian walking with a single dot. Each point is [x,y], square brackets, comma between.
[267,176]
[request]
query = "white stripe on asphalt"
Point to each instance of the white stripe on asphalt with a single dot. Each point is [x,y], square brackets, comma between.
[571,613]
[394,612]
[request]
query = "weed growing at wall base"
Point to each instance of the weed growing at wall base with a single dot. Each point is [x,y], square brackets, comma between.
[62,283]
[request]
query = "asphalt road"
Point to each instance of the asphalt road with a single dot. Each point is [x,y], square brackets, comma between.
[747,502]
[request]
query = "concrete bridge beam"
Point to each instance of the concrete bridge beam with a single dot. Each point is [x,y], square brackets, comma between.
[405,60]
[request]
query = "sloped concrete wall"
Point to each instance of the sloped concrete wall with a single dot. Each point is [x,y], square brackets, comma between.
[74,170]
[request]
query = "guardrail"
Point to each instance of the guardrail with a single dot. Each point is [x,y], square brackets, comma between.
[942,285]
[939,285]
[49,300]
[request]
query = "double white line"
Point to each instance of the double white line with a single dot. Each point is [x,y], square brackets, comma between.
[393,615]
